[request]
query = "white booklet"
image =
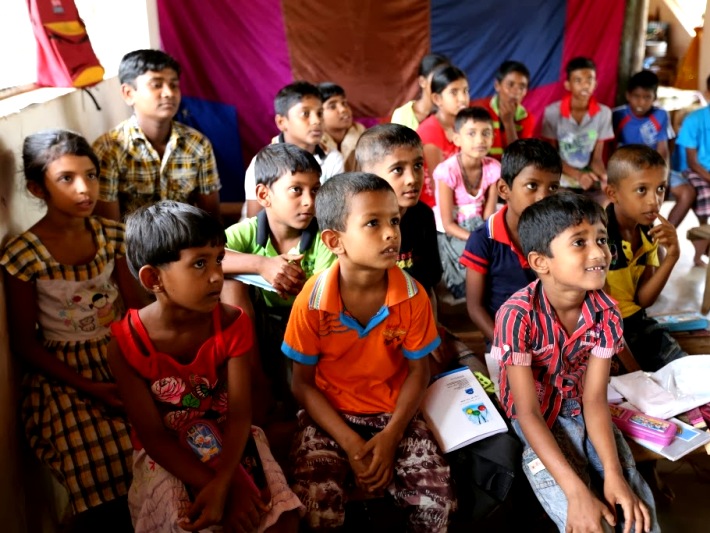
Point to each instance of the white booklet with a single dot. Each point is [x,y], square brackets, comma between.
[459,411]
[252,279]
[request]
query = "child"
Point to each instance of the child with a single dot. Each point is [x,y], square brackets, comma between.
[414,112]
[299,118]
[494,261]
[182,368]
[554,340]
[150,157]
[359,336]
[641,122]
[511,121]
[282,244]
[449,92]
[465,191]
[341,133]
[578,126]
[71,412]
[637,187]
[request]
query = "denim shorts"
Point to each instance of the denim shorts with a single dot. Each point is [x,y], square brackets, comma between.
[677,178]
[571,435]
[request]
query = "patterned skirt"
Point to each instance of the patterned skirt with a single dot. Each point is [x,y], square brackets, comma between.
[87,447]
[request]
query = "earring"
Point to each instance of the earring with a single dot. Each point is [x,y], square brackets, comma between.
[157,288]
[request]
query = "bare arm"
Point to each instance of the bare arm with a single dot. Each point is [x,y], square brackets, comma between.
[491,201]
[110,210]
[283,271]
[662,148]
[253,208]
[692,157]
[210,203]
[475,290]
[597,162]
[432,157]
[133,294]
[446,207]
[654,278]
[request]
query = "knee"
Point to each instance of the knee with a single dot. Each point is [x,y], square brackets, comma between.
[685,193]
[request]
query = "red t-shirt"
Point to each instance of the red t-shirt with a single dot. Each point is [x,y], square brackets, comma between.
[431,132]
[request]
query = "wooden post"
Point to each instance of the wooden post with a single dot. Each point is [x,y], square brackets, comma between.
[633,45]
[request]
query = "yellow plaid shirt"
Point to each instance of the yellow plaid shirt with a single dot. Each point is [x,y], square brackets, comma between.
[133,173]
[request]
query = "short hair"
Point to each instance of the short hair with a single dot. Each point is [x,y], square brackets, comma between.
[579,63]
[277,160]
[444,76]
[42,148]
[477,114]
[506,67]
[333,198]
[328,89]
[632,158]
[292,95]
[139,62]
[157,233]
[542,221]
[646,79]
[528,152]
[374,144]
[430,62]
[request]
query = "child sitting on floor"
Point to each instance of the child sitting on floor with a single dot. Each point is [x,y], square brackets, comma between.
[414,112]
[182,365]
[341,132]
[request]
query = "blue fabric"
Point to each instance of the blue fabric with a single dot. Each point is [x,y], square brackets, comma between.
[218,122]
[695,133]
[641,130]
[505,34]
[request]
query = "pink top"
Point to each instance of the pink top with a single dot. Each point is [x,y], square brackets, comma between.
[466,205]
[431,132]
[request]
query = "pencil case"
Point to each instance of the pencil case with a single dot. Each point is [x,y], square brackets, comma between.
[638,425]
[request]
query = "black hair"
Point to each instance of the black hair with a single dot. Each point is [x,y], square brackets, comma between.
[333,198]
[430,62]
[276,160]
[579,63]
[329,89]
[646,79]
[375,143]
[542,221]
[157,233]
[41,148]
[707,83]
[444,76]
[632,158]
[528,152]
[139,62]
[292,95]
[506,67]
[477,114]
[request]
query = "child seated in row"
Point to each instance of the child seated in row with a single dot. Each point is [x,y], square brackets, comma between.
[495,264]
[578,126]
[638,178]
[150,156]
[641,122]
[449,93]
[341,132]
[359,336]
[182,368]
[554,340]
[299,118]
[414,112]
[282,244]
[511,121]
[466,194]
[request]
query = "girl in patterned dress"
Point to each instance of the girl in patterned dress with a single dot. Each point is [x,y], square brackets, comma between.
[183,367]
[64,281]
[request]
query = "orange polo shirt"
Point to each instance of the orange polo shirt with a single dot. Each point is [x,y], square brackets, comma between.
[360,369]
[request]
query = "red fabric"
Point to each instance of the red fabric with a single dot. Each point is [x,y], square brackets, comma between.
[431,132]
[526,132]
[566,106]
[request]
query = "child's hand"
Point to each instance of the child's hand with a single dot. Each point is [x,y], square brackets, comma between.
[507,109]
[665,235]
[587,179]
[618,492]
[245,507]
[360,464]
[382,448]
[208,507]
[586,512]
[284,272]
[107,393]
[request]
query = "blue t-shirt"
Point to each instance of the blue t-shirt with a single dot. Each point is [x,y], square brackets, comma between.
[649,129]
[695,133]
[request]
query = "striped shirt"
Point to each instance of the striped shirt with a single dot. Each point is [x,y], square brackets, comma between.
[528,333]
[133,173]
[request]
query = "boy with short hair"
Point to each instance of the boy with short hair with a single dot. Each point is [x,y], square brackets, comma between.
[554,340]
[299,117]
[151,157]
[359,336]
[341,132]
[511,121]
[578,126]
[638,177]
[494,261]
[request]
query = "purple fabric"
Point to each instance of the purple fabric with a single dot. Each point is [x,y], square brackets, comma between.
[231,52]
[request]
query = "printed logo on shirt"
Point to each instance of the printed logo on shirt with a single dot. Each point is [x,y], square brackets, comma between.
[405,260]
[394,336]
[544,349]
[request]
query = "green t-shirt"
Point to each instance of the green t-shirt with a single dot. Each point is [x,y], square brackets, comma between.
[252,236]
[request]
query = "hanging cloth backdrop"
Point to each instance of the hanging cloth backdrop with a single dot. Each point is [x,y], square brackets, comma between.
[241,53]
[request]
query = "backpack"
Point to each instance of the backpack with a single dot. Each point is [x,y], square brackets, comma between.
[64,54]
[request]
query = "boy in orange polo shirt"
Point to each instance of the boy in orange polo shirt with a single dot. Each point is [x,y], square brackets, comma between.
[359,335]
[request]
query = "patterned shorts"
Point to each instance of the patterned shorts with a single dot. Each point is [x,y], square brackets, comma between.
[702,188]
